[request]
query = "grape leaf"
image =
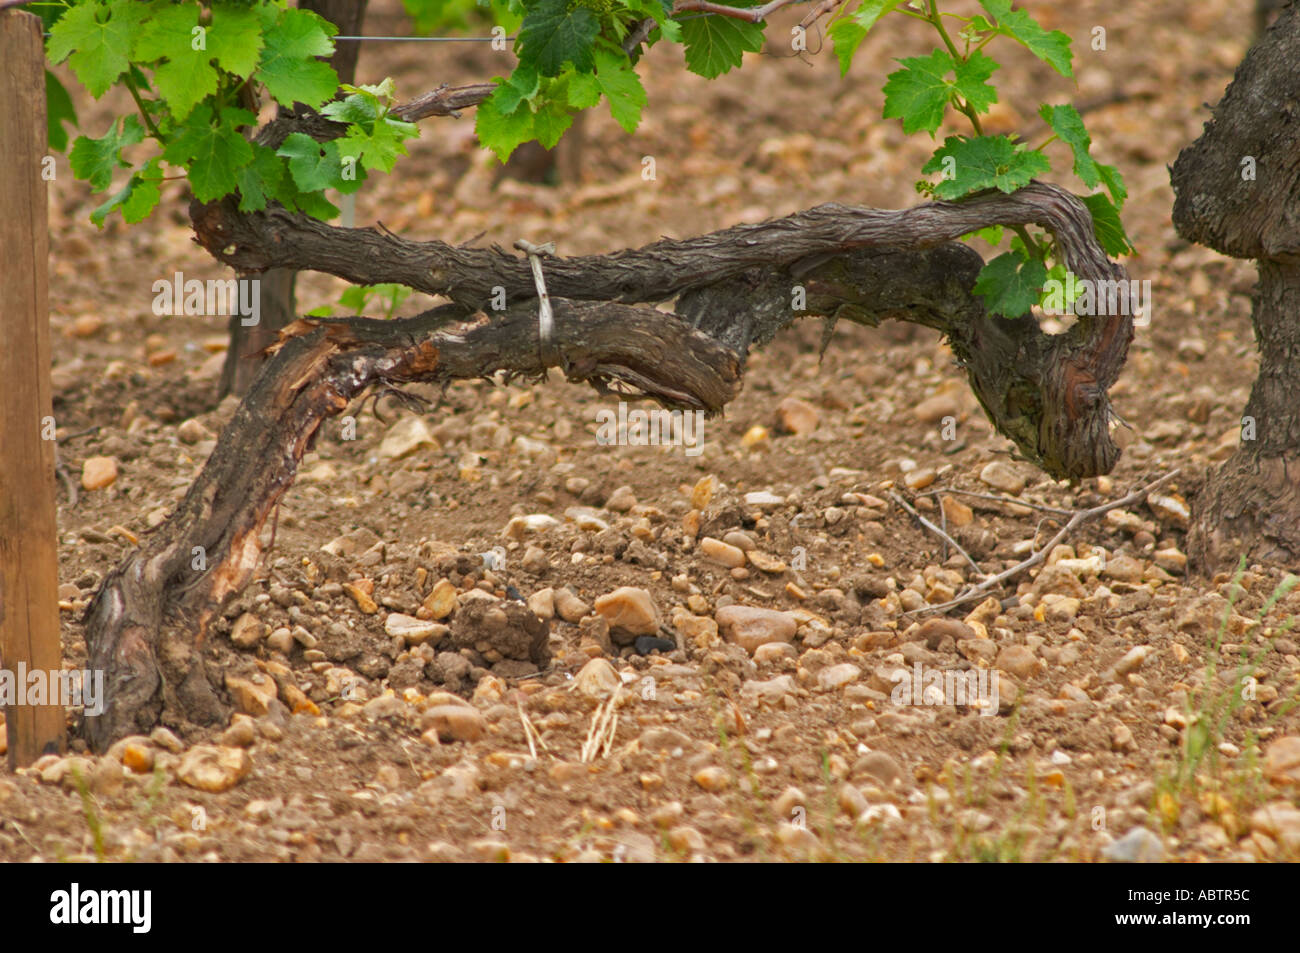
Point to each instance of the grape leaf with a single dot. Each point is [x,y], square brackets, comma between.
[715,45]
[58,111]
[918,93]
[98,50]
[93,160]
[1107,226]
[621,86]
[138,197]
[550,122]
[552,35]
[1052,48]
[846,34]
[1068,125]
[313,165]
[212,149]
[500,131]
[235,38]
[971,82]
[984,162]
[289,69]
[1011,284]
[520,86]
[261,179]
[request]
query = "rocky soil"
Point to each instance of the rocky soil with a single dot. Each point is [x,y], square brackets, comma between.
[483,635]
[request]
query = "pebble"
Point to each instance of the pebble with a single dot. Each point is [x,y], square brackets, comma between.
[365,602]
[247,631]
[542,603]
[749,626]
[919,479]
[880,766]
[453,722]
[405,437]
[411,630]
[837,676]
[621,500]
[1004,477]
[722,553]
[1018,660]
[629,608]
[535,561]
[252,695]
[191,432]
[441,599]
[765,563]
[956,512]
[530,525]
[1282,761]
[214,769]
[597,679]
[97,473]
[1138,846]
[933,409]
[763,500]
[685,840]
[568,606]
[797,416]
[712,779]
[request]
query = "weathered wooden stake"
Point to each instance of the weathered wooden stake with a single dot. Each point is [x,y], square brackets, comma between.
[29,613]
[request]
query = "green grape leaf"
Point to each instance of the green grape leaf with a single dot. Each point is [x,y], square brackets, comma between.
[552,35]
[982,163]
[1068,125]
[212,149]
[846,34]
[1011,284]
[166,34]
[621,86]
[289,69]
[96,40]
[521,86]
[261,179]
[235,37]
[380,147]
[584,91]
[1052,48]
[137,199]
[58,111]
[1107,225]
[313,165]
[715,45]
[93,160]
[919,92]
[972,81]
[500,131]
[550,122]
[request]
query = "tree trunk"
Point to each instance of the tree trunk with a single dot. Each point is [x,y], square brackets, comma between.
[277,302]
[1238,192]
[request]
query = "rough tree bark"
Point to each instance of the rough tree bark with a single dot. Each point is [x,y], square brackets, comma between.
[1238,192]
[277,303]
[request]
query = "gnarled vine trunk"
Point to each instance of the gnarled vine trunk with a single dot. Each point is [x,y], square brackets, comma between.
[1238,192]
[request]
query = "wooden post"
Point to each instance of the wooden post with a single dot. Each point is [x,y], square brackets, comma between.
[29,612]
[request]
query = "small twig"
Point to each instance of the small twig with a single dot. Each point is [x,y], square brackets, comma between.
[935,529]
[600,736]
[638,35]
[80,433]
[1004,499]
[752,14]
[1079,517]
